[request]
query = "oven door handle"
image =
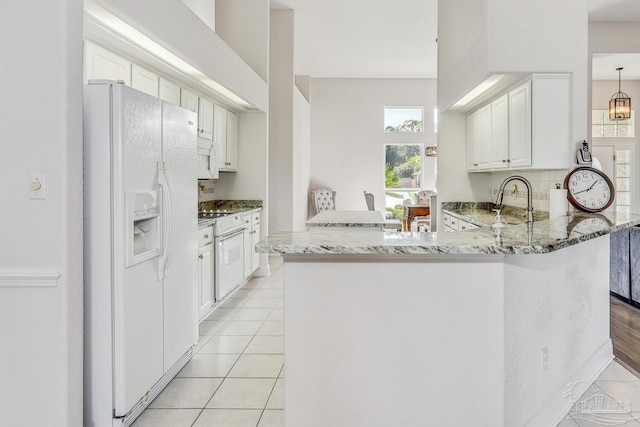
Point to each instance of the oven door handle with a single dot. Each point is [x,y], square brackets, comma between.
[230,235]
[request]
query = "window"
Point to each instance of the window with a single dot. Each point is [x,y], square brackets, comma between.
[402,176]
[602,127]
[403,119]
[623,180]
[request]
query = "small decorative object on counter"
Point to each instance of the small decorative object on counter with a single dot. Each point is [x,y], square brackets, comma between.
[498,220]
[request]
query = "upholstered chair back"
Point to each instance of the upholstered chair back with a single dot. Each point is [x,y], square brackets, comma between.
[322,199]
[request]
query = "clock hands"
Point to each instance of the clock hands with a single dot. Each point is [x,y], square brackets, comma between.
[594,183]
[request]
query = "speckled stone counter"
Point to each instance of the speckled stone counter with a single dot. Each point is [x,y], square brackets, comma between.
[545,236]
[347,219]
[230,205]
[481,213]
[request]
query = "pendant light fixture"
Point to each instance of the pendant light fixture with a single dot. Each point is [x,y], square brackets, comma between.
[620,103]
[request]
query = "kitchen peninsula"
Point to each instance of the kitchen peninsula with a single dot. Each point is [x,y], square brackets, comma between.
[476,327]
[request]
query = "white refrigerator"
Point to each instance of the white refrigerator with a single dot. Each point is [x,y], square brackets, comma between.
[140,249]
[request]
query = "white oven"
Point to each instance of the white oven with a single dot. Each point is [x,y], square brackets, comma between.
[207,160]
[229,261]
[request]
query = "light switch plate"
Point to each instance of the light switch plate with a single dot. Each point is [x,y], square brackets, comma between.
[37,185]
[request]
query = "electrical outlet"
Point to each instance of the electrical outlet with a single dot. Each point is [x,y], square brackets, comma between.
[545,358]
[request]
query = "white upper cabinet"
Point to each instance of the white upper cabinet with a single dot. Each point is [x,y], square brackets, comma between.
[169,91]
[144,80]
[226,138]
[500,133]
[100,63]
[220,139]
[189,100]
[479,139]
[232,140]
[529,127]
[205,119]
[520,125]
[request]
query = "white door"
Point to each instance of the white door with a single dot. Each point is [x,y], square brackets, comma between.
[229,267]
[603,159]
[137,290]
[472,141]
[255,257]
[179,153]
[205,119]
[484,137]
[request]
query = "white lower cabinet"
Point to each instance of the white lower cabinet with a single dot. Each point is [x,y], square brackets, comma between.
[453,222]
[251,238]
[206,273]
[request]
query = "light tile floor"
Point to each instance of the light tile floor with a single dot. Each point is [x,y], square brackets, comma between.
[235,379]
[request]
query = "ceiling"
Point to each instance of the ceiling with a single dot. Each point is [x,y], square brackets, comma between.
[397,38]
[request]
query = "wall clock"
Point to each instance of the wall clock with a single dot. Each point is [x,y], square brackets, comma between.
[589,189]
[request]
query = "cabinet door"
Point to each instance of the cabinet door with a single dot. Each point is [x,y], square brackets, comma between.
[255,256]
[472,141]
[205,264]
[232,140]
[205,119]
[144,80]
[483,149]
[620,263]
[220,135]
[169,91]
[246,219]
[189,100]
[500,133]
[520,125]
[100,63]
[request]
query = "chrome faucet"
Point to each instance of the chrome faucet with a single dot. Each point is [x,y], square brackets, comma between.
[500,195]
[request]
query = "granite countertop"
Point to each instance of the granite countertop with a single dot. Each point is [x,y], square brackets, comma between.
[481,213]
[347,219]
[545,236]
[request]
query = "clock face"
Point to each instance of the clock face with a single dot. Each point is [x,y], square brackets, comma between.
[589,189]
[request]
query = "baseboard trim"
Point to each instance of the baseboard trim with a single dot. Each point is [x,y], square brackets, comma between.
[564,398]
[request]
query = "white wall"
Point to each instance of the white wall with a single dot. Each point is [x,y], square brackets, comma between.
[347,133]
[301,159]
[244,26]
[41,328]
[205,9]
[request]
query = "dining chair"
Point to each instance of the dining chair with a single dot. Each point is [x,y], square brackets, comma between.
[322,199]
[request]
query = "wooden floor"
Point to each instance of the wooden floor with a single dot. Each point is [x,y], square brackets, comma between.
[625,333]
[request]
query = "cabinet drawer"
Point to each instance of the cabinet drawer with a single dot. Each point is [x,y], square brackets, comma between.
[446,220]
[255,219]
[464,225]
[205,236]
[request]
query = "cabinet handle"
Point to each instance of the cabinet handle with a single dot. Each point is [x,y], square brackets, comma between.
[505,161]
[475,164]
[206,236]
[200,256]
[508,160]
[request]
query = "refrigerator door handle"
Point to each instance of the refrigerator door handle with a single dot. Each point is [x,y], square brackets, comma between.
[167,220]
[171,220]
